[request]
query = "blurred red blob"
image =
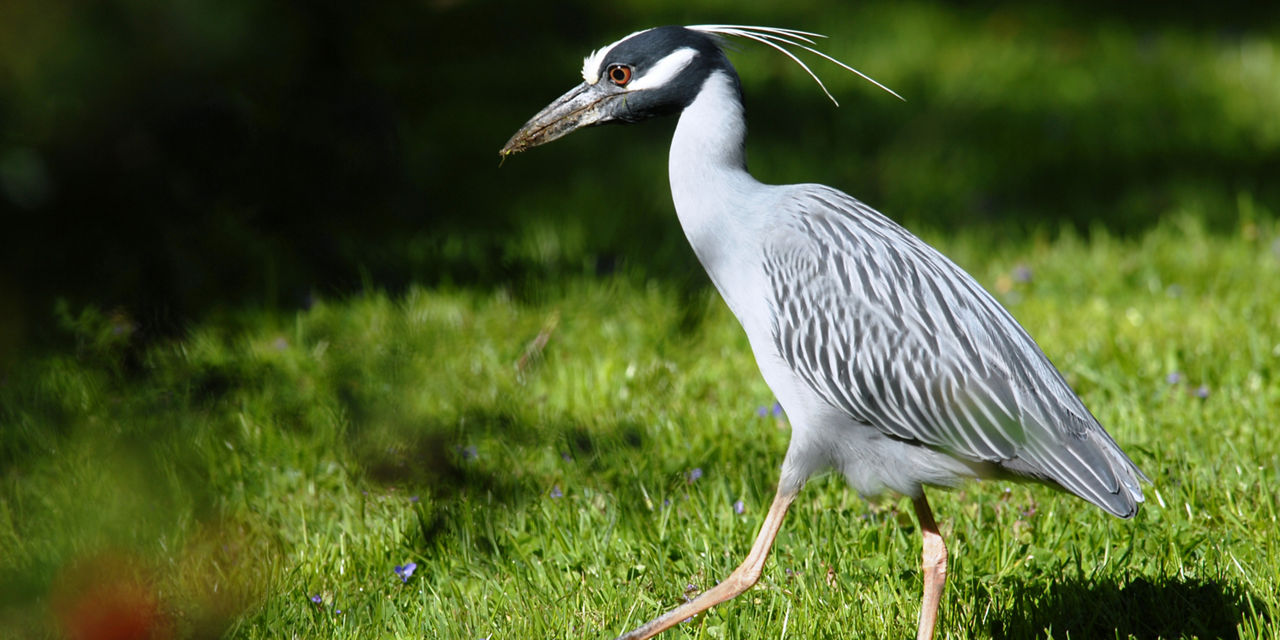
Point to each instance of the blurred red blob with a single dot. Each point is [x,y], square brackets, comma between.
[108,597]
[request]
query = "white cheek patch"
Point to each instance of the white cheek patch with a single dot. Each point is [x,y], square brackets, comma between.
[665,69]
[591,63]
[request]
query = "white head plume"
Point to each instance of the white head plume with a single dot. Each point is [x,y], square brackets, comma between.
[779,39]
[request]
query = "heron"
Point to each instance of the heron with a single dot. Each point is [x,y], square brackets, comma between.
[894,366]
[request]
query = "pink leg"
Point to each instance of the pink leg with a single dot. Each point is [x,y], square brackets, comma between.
[935,568]
[740,580]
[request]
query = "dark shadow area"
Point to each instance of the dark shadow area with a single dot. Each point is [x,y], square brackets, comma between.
[176,161]
[435,457]
[440,459]
[1141,609]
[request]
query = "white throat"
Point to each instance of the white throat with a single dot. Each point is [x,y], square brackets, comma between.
[708,167]
[710,185]
[711,131]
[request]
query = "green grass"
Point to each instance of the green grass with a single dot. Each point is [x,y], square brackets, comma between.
[213,484]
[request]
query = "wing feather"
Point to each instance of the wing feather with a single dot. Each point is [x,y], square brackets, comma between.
[893,333]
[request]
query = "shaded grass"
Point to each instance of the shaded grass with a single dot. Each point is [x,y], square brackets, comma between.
[546,491]
[274,149]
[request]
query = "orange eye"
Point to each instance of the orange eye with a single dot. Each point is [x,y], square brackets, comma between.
[620,74]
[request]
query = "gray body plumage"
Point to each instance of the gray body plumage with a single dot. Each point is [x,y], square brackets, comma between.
[894,366]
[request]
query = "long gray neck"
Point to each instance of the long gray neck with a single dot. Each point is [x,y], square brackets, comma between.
[715,197]
[709,142]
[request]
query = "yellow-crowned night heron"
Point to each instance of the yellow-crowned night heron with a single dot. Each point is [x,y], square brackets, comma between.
[893,365]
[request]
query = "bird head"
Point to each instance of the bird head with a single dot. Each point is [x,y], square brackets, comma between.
[646,74]
[652,73]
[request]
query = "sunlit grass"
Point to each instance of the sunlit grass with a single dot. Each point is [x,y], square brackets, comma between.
[532,456]
[526,432]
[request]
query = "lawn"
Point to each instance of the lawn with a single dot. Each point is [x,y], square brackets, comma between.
[285,352]
[571,461]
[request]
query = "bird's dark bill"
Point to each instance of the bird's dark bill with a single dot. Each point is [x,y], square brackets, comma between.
[582,106]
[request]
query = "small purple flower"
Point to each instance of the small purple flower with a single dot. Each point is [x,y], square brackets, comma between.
[738,507]
[556,492]
[765,412]
[566,457]
[1202,391]
[317,599]
[1173,378]
[413,498]
[469,452]
[1022,273]
[406,571]
[693,476]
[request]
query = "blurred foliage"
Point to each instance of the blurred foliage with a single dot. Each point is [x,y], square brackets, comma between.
[168,160]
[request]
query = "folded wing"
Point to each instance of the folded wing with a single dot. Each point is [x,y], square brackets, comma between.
[887,329]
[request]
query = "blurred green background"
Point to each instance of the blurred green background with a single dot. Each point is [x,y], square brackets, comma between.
[180,180]
[174,159]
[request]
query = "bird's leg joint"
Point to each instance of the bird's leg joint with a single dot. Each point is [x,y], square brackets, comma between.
[935,554]
[746,578]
